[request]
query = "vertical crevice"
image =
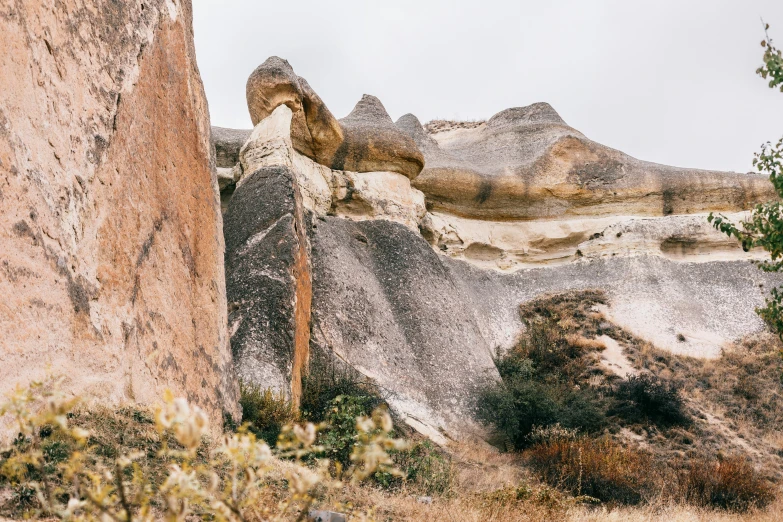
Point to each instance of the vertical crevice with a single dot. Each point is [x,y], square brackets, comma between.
[303,296]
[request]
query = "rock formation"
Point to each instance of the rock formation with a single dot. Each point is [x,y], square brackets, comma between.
[364,141]
[415,280]
[111,266]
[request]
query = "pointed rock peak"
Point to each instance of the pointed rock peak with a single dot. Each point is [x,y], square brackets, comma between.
[410,125]
[369,110]
[409,120]
[536,113]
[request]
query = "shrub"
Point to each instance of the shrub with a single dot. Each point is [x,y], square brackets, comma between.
[646,398]
[425,469]
[597,468]
[340,431]
[232,482]
[551,351]
[730,483]
[515,407]
[325,380]
[266,411]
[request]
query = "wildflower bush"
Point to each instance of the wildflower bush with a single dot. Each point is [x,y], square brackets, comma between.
[231,481]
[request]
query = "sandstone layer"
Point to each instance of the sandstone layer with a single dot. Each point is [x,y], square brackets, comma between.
[526,163]
[111,264]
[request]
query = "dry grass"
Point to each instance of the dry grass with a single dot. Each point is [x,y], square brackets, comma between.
[585,343]
[600,469]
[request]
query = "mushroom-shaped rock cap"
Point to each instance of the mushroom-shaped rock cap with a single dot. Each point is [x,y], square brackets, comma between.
[364,141]
[373,143]
[271,84]
[314,131]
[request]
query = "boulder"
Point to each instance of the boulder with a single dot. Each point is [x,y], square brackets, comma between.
[227,143]
[111,263]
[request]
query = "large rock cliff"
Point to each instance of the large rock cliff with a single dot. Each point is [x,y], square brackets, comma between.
[111,266]
[414,279]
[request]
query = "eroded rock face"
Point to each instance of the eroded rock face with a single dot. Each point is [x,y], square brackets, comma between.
[523,189]
[355,195]
[364,141]
[415,284]
[111,262]
[268,280]
[526,163]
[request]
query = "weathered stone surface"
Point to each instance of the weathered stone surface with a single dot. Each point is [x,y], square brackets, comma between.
[373,143]
[526,163]
[268,280]
[355,195]
[654,297]
[384,302]
[364,141]
[111,261]
[325,516]
[512,245]
[227,143]
[424,325]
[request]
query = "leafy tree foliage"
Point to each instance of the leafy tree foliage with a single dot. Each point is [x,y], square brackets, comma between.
[764,227]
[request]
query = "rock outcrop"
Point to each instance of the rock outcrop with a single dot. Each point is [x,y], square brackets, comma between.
[364,141]
[526,163]
[415,281]
[111,266]
[524,189]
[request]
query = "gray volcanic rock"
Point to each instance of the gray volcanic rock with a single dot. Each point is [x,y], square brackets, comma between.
[227,143]
[526,163]
[423,323]
[268,280]
[653,297]
[373,143]
[365,141]
[385,303]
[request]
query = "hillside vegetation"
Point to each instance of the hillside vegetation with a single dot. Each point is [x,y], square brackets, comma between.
[676,438]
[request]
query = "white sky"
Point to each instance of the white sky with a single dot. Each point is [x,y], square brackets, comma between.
[670,81]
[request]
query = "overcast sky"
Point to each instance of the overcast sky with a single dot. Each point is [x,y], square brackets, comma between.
[670,81]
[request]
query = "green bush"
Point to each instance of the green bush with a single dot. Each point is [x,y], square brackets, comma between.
[426,470]
[339,433]
[646,398]
[543,382]
[266,411]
